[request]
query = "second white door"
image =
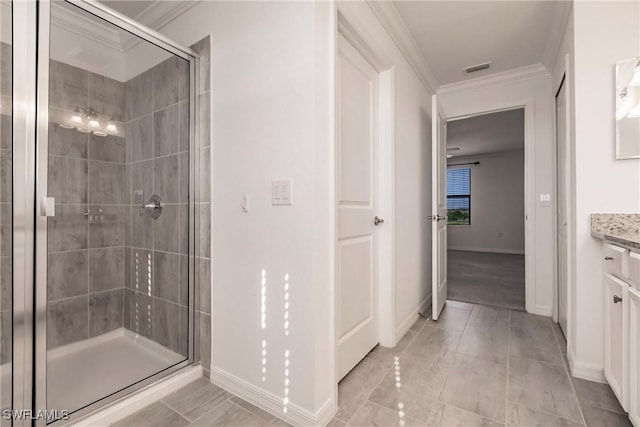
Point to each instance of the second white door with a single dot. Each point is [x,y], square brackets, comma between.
[356,206]
[439,209]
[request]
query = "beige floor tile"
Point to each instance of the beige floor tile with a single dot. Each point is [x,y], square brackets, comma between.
[489,317]
[532,337]
[371,415]
[542,386]
[435,345]
[410,382]
[449,416]
[490,344]
[596,417]
[596,394]
[520,416]
[477,386]
[452,319]
[229,414]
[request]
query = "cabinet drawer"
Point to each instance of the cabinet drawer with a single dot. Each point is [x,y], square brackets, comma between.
[634,269]
[613,260]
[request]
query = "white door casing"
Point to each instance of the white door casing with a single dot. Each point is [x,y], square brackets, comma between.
[561,218]
[438,208]
[356,207]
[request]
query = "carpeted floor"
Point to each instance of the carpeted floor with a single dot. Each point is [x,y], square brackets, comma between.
[485,278]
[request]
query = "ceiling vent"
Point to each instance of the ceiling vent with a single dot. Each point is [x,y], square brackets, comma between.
[474,68]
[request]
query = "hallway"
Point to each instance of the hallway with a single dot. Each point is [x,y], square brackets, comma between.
[477,365]
[491,279]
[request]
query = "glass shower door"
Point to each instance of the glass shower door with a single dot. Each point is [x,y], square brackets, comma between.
[115,308]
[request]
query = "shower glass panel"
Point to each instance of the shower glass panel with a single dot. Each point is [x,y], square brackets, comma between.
[6,198]
[118,273]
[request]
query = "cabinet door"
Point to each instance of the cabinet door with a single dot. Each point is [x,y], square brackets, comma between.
[615,336]
[634,356]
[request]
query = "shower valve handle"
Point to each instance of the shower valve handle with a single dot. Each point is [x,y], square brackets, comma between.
[153,207]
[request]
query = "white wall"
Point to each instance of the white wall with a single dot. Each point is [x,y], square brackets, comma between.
[497,204]
[604,32]
[537,89]
[272,114]
[412,171]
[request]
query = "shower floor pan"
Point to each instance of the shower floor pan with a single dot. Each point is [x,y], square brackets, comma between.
[81,373]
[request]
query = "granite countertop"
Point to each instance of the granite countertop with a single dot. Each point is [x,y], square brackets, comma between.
[621,229]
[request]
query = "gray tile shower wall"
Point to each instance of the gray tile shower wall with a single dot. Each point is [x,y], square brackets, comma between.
[156,252]
[85,284]
[156,294]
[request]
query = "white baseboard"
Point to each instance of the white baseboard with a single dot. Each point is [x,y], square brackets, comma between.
[586,371]
[488,250]
[133,403]
[406,324]
[543,310]
[272,403]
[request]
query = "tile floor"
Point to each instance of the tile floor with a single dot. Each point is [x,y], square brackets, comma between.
[476,366]
[200,404]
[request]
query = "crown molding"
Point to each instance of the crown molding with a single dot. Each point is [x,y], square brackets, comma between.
[512,76]
[391,20]
[85,27]
[554,39]
[157,15]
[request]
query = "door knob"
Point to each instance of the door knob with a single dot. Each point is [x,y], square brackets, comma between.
[608,258]
[378,221]
[616,299]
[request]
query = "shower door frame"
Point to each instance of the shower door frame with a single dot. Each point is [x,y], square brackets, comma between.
[39,337]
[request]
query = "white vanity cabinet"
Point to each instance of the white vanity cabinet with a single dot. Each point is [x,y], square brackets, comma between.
[616,321]
[622,327]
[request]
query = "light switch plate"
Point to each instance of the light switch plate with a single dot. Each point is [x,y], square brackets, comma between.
[281,192]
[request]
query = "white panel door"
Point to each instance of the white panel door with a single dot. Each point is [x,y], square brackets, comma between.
[439,208]
[356,204]
[562,241]
[615,337]
[634,356]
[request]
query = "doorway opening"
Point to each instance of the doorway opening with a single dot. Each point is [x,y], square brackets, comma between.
[486,209]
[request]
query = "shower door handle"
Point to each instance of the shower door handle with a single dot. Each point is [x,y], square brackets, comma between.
[48,206]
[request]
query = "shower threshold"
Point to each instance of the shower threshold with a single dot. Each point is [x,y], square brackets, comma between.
[82,373]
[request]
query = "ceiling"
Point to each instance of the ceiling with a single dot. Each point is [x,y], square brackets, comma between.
[456,34]
[487,133]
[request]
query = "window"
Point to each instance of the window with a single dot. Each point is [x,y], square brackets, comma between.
[459,196]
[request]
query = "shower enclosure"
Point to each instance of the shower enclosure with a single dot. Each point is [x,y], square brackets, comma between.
[97,208]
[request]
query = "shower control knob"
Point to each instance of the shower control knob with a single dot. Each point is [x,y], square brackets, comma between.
[153,207]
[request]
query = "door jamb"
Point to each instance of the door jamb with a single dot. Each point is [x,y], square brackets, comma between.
[529,189]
